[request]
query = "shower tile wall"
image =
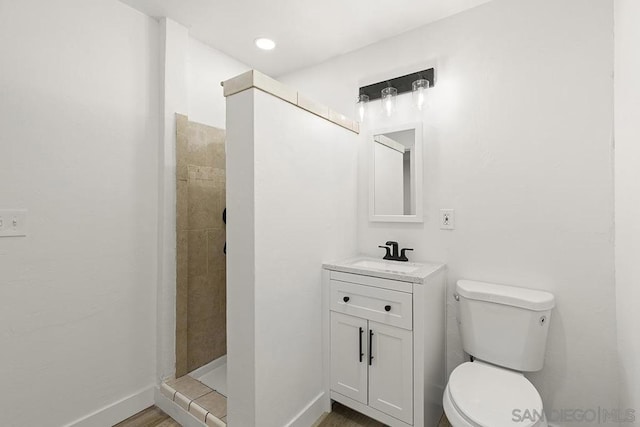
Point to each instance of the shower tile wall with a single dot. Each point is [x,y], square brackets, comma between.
[201,271]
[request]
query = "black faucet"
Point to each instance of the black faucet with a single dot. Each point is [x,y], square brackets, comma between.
[394,256]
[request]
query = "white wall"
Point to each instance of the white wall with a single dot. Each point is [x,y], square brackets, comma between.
[627,159]
[206,68]
[78,149]
[518,140]
[291,194]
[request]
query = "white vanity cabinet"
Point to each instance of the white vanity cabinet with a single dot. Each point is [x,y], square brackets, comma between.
[349,371]
[384,343]
[372,363]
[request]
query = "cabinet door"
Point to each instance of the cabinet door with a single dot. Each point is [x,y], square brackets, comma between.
[391,371]
[349,356]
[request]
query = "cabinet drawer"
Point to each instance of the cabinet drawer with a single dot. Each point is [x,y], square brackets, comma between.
[372,303]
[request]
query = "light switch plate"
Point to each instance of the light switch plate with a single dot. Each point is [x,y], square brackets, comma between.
[447,219]
[13,222]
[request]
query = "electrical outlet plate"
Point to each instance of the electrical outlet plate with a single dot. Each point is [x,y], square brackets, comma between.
[13,222]
[447,219]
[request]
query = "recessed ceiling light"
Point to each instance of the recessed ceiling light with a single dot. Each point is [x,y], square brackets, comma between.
[265,43]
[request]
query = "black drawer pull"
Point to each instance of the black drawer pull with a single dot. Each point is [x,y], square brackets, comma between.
[345,299]
[360,353]
[370,347]
[387,308]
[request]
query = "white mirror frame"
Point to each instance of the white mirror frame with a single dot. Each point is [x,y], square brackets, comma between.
[418,217]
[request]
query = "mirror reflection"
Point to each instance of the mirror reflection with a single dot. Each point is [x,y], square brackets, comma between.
[394,176]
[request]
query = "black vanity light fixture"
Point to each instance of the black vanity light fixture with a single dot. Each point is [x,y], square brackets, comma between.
[388,90]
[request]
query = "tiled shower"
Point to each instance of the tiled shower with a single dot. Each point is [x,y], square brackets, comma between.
[201,269]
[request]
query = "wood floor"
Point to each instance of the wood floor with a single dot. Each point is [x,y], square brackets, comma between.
[340,417]
[150,417]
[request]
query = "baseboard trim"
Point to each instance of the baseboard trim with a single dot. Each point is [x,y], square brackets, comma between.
[118,411]
[175,411]
[311,413]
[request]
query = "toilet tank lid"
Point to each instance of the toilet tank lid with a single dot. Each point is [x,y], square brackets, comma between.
[530,299]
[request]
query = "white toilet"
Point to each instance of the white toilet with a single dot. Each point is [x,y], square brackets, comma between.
[504,329]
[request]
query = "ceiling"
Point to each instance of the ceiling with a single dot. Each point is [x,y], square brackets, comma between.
[307,32]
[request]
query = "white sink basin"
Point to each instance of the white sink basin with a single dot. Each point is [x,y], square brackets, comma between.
[413,272]
[382,265]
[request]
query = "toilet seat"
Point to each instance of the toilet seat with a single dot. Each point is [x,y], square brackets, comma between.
[483,395]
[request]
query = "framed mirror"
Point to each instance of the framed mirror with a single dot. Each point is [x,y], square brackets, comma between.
[395,174]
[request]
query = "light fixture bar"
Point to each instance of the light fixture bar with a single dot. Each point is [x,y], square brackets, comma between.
[402,84]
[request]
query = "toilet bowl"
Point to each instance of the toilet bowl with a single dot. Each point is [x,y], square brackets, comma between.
[482,395]
[505,329]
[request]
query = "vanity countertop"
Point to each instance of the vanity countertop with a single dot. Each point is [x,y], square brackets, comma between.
[412,272]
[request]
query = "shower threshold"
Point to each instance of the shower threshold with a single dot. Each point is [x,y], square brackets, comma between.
[213,375]
[202,393]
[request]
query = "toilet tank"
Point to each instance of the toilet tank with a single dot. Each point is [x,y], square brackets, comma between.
[504,325]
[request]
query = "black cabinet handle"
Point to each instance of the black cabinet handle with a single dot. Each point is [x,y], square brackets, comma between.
[360,353]
[387,308]
[370,347]
[345,299]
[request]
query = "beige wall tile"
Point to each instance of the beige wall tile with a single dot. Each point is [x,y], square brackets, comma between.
[204,204]
[215,147]
[215,240]
[220,313]
[201,284]
[182,304]
[222,200]
[197,145]
[197,263]
[203,173]
[182,129]
[216,156]
[207,319]
[182,205]
[182,239]
[206,198]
